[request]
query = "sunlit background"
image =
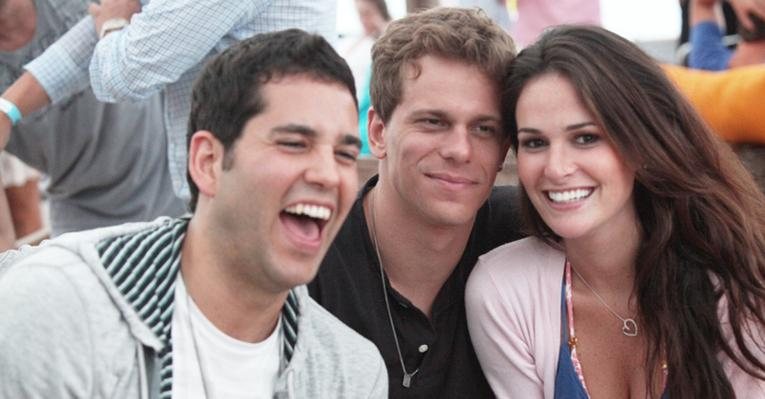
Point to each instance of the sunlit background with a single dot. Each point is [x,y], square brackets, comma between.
[643,20]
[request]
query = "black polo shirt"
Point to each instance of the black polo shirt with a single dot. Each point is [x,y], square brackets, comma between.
[348,285]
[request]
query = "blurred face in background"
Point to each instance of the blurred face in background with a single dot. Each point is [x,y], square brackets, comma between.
[371,18]
[18,20]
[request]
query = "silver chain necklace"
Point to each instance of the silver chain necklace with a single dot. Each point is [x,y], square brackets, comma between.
[407,382]
[629,326]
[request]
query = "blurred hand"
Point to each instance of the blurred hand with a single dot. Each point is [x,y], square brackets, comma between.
[745,7]
[109,9]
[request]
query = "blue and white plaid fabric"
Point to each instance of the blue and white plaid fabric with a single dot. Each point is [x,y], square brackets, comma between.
[164,48]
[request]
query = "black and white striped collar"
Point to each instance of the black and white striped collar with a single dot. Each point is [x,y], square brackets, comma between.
[144,265]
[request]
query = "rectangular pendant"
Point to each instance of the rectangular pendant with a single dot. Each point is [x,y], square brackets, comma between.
[407,380]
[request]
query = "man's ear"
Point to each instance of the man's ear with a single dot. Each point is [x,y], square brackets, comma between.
[206,154]
[376,134]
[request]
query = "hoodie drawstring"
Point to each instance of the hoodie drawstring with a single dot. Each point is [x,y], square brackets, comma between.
[290,383]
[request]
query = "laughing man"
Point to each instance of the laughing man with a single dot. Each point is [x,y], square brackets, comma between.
[212,305]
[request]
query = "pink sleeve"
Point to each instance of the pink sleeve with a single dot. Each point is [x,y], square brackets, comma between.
[501,337]
[744,385]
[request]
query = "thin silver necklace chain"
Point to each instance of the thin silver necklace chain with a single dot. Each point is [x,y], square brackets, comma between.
[407,382]
[629,326]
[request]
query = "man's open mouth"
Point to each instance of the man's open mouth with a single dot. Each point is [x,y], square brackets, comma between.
[306,221]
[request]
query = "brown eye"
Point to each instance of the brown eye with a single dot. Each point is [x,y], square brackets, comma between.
[347,155]
[586,138]
[487,130]
[533,143]
[431,123]
[291,145]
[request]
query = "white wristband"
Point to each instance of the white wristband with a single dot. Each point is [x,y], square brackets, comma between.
[111,25]
[11,110]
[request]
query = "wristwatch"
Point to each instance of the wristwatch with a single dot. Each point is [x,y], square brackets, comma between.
[111,25]
[11,110]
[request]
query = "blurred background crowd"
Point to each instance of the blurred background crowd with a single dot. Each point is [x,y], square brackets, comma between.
[84,163]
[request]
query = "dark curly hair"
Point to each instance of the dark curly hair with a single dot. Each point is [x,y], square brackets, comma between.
[227,92]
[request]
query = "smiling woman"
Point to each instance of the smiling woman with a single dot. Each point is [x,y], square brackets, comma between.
[571,172]
[646,273]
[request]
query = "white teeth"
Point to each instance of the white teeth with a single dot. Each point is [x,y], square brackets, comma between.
[568,196]
[312,211]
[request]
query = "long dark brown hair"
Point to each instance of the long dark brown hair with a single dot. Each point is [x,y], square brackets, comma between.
[702,215]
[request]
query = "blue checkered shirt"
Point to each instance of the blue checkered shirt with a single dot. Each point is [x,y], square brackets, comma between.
[164,48]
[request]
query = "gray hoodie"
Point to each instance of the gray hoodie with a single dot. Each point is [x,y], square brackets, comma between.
[68,331]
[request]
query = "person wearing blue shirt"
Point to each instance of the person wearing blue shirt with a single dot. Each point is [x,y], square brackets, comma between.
[131,50]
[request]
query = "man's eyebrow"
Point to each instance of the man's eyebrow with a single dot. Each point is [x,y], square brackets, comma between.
[303,130]
[295,128]
[489,118]
[444,115]
[349,139]
[418,113]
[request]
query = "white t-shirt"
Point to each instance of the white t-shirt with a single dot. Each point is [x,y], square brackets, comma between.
[231,368]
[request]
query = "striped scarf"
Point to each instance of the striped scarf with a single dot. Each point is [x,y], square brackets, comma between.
[144,266]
